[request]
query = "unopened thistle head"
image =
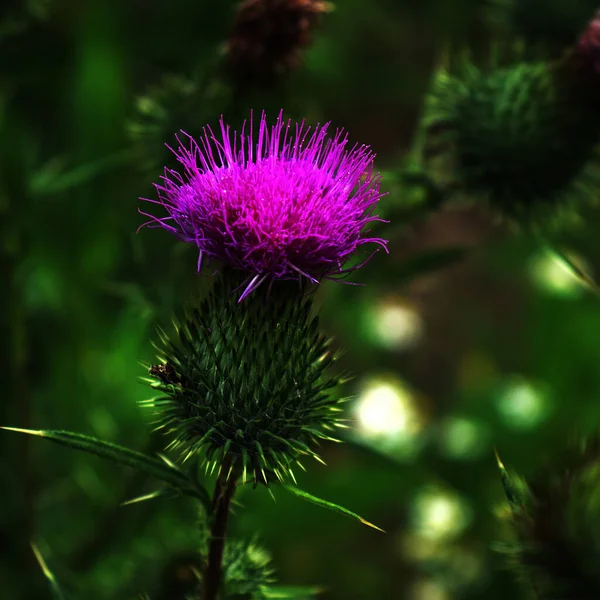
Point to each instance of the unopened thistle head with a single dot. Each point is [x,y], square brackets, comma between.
[283,202]
[555,518]
[246,385]
[268,35]
[524,137]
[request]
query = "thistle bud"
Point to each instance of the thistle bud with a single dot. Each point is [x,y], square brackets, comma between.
[247,383]
[523,137]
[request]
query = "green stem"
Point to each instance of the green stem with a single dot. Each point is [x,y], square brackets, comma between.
[223,495]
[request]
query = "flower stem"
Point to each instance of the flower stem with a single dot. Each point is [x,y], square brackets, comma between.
[223,495]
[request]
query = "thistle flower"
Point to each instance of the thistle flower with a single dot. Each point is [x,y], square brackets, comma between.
[268,35]
[290,203]
[555,518]
[247,384]
[523,137]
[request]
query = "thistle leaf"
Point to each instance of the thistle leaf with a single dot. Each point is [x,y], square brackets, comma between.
[330,505]
[57,593]
[155,467]
[291,592]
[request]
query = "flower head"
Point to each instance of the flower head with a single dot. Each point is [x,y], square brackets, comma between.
[285,203]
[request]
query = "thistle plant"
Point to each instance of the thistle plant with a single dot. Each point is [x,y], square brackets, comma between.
[245,381]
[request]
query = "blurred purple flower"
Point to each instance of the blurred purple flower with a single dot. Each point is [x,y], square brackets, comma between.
[589,42]
[291,203]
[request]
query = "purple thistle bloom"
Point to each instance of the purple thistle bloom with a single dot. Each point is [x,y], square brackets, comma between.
[292,203]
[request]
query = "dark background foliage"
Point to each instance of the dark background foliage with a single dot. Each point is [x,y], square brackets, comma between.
[499,349]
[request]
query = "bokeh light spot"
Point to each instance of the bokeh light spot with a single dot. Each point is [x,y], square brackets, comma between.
[395,325]
[386,408]
[462,438]
[388,417]
[439,514]
[523,404]
[428,589]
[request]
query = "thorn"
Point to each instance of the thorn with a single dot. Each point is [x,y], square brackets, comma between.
[499,460]
[38,432]
[188,455]
[38,554]
[292,476]
[150,496]
[365,522]
[169,462]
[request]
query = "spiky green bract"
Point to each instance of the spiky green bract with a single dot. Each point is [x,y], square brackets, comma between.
[556,517]
[554,24]
[523,137]
[247,382]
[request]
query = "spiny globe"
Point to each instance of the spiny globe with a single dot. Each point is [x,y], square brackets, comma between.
[525,137]
[555,518]
[247,382]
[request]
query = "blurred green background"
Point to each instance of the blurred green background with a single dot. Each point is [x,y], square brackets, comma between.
[498,350]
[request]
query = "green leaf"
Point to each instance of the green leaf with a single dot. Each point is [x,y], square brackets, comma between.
[330,505]
[161,467]
[57,594]
[291,592]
